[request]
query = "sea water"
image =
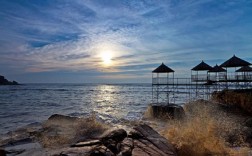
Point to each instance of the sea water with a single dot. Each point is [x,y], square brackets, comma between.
[30,103]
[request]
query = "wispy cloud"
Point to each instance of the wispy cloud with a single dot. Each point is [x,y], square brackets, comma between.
[55,36]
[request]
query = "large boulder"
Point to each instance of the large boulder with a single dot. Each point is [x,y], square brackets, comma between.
[112,139]
[2,152]
[151,142]
[142,140]
[172,111]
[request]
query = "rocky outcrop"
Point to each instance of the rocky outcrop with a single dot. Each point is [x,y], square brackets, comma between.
[236,100]
[167,111]
[35,138]
[141,140]
[4,81]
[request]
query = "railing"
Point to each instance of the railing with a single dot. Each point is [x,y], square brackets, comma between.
[202,79]
[217,78]
[223,77]
[171,81]
[199,77]
[162,80]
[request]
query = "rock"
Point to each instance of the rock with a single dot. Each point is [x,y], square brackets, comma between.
[4,81]
[112,139]
[17,142]
[152,142]
[87,143]
[126,147]
[248,122]
[142,141]
[61,117]
[77,151]
[170,111]
[117,135]
[2,152]
[101,151]
[14,151]
[135,134]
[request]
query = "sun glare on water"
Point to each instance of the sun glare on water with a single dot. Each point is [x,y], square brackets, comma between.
[106,58]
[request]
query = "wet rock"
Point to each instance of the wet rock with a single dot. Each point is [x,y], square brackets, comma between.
[77,151]
[87,143]
[2,152]
[61,117]
[116,135]
[153,142]
[112,139]
[126,147]
[135,134]
[101,151]
[17,142]
[14,151]
[170,111]
[248,122]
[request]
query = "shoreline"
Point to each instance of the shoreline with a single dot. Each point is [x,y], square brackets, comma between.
[60,131]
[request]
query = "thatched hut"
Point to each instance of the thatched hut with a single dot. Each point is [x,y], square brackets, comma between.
[199,72]
[244,73]
[217,73]
[163,75]
[234,62]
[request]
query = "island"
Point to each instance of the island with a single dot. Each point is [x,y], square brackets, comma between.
[4,81]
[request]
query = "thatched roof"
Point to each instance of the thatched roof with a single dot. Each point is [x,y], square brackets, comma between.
[163,69]
[244,69]
[235,62]
[217,69]
[202,66]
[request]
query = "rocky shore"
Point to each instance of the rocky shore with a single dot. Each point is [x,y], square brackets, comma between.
[137,141]
[198,128]
[4,81]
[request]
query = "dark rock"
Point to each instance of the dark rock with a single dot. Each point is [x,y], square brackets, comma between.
[78,151]
[17,142]
[87,143]
[248,122]
[135,134]
[101,151]
[142,141]
[61,117]
[116,135]
[4,81]
[2,152]
[15,151]
[170,111]
[111,140]
[153,142]
[126,147]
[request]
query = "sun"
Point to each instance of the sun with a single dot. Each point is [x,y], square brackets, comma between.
[106,57]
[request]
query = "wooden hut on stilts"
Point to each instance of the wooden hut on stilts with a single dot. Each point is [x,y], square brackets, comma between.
[216,75]
[162,84]
[232,78]
[199,75]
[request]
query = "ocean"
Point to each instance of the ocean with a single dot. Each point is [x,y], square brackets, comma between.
[30,103]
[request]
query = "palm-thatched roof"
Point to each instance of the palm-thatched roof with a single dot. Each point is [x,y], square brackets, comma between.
[244,69]
[202,66]
[217,69]
[235,62]
[163,69]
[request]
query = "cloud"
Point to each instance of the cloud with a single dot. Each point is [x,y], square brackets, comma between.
[70,35]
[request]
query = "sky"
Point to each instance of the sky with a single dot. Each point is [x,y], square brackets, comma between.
[118,41]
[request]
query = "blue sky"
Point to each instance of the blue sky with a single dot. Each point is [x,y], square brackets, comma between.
[62,40]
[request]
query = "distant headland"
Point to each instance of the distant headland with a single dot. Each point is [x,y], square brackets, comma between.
[4,81]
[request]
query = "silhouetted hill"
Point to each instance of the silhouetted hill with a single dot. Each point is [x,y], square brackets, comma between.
[4,81]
